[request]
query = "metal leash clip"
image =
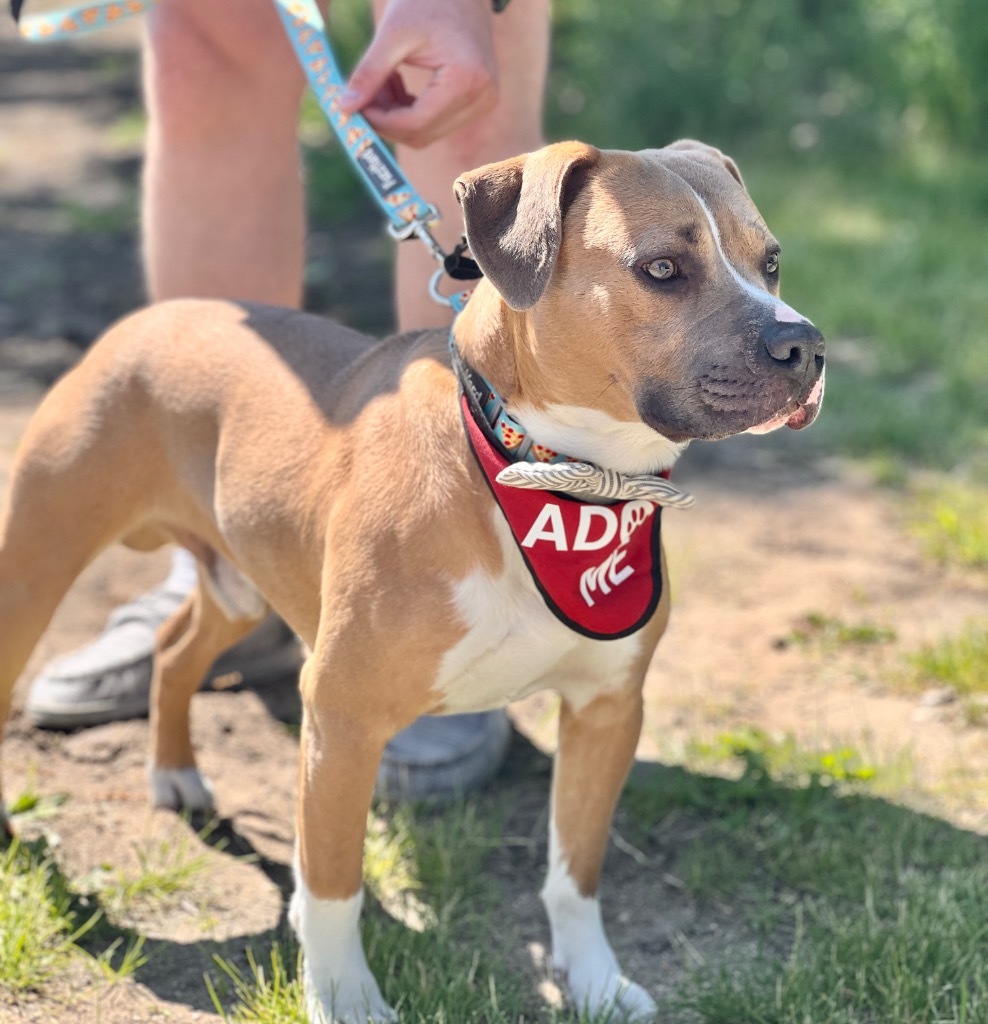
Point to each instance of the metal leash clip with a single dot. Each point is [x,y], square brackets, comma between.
[419,228]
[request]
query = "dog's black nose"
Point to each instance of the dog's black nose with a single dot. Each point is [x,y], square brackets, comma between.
[796,346]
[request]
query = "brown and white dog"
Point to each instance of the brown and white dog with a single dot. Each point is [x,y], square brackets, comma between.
[630,305]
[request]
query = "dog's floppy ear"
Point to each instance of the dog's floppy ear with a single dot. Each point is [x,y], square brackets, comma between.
[712,152]
[513,213]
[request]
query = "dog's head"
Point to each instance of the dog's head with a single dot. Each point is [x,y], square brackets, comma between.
[651,284]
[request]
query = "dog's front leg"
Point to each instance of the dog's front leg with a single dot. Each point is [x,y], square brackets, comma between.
[596,748]
[341,748]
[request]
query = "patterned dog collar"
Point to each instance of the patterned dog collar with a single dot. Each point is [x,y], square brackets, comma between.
[496,422]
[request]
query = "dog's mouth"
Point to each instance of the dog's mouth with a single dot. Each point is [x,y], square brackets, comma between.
[796,415]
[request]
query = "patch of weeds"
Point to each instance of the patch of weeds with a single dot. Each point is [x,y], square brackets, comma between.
[266,995]
[165,867]
[952,524]
[767,758]
[960,662]
[831,633]
[443,970]
[132,958]
[38,925]
[32,805]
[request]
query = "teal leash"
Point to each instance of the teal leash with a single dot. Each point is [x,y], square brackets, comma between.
[69,22]
[408,214]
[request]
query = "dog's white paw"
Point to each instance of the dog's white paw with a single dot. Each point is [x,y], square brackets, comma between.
[181,789]
[357,1000]
[338,984]
[582,954]
[608,992]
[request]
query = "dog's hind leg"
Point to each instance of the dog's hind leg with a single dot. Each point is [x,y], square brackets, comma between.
[58,517]
[596,748]
[188,643]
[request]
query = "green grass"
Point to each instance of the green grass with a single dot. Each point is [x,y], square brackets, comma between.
[909,954]
[842,907]
[887,260]
[49,922]
[839,906]
[164,868]
[856,911]
[266,994]
[960,662]
[831,633]
[43,920]
[38,924]
[435,963]
[952,523]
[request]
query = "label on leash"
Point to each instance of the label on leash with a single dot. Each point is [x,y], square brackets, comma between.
[598,567]
[378,168]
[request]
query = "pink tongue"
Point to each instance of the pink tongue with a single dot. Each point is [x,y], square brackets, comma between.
[798,419]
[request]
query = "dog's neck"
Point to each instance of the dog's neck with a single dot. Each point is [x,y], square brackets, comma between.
[502,344]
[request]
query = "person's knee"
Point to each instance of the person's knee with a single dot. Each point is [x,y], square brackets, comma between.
[215,68]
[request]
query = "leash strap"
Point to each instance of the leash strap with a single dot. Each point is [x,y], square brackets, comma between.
[406,211]
[56,26]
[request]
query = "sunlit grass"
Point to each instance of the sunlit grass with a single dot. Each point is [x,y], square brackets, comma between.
[890,262]
[832,633]
[164,868]
[841,907]
[960,662]
[38,926]
[952,523]
[427,935]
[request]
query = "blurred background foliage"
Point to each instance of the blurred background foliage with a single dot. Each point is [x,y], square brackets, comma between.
[860,128]
[859,77]
[854,78]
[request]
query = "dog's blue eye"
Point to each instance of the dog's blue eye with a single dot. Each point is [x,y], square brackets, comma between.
[661,269]
[772,263]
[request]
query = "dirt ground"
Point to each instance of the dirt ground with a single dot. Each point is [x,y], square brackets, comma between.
[771,540]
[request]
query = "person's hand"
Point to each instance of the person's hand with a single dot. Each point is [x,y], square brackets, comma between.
[450,39]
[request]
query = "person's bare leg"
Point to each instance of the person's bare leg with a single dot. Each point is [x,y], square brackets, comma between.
[223,210]
[222,216]
[521,37]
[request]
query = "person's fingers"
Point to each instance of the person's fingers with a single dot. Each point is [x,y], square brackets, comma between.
[375,68]
[392,94]
[454,96]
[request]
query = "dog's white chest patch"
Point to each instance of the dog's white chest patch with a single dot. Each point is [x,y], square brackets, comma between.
[514,644]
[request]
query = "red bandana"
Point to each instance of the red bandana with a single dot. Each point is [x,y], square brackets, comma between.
[597,566]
